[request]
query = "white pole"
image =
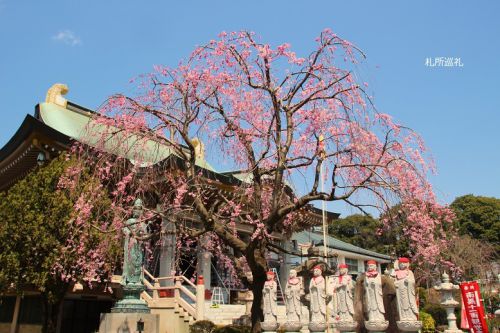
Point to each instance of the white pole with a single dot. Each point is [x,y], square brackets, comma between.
[323,211]
[325,243]
[323,203]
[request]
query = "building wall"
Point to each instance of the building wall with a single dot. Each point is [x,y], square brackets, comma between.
[80,313]
[29,316]
[22,328]
[356,261]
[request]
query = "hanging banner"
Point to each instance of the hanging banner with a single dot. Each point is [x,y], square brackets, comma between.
[473,305]
[464,323]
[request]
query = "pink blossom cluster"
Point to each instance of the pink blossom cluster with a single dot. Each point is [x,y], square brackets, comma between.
[288,123]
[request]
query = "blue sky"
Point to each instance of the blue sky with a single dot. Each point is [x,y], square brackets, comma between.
[97,46]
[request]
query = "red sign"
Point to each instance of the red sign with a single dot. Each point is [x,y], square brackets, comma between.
[471,298]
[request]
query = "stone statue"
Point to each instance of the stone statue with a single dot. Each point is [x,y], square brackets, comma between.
[269,303]
[344,293]
[134,232]
[405,291]
[133,248]
[404,281]
[294,290]
[374,299]
[317,292]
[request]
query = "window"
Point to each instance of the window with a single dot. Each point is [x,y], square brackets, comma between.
[31,310]
[294,261]
[332,262]
[7,308]
[352,265]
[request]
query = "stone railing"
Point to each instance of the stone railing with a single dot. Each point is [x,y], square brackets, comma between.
[189,301]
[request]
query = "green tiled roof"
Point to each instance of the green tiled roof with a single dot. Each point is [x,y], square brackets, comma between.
[305,237]
[75,124]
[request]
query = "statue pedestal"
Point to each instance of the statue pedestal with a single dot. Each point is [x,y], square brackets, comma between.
[346,326]
[376,326]
[131,302]
[293,326]
[409,325]
[127,322]
[269,326]
[317,327]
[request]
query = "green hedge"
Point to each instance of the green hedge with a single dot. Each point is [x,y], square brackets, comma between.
[437,312]
[233,329]
[428,324]
[203,326]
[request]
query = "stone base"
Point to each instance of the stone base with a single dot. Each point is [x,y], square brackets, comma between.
[131,302]
[127,322]
[317,326]
[292,326]
[376,326]
[409,325]
[269,326]
[345,326]
[131,306]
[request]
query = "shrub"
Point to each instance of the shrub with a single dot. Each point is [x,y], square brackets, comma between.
[233,329]
[202,326]
[441,328]
[243,320]
[422,296]
[437,312]
[428,324]
[493,324]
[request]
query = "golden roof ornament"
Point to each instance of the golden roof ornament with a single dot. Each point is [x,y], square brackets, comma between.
[199,149]
[55,94]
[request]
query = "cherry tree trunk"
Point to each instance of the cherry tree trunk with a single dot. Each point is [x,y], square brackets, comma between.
[258,265]
[50,316]
[52,305]
[257,314]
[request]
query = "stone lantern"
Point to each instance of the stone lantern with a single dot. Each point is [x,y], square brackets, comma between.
[446,289]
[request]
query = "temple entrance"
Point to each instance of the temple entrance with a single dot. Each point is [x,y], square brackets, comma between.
[187,259]
[83,315]
[187,263]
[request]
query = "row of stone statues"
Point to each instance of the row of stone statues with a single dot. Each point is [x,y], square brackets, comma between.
[339,290]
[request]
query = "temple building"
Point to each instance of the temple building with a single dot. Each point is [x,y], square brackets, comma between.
[55,124]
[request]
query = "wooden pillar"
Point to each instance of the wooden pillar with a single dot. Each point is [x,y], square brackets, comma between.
[15,316]
[204,266]
[168,253]
[155,290]
[200,299]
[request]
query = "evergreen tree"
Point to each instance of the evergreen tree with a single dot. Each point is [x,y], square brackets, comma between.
[478,217]
[36,224]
